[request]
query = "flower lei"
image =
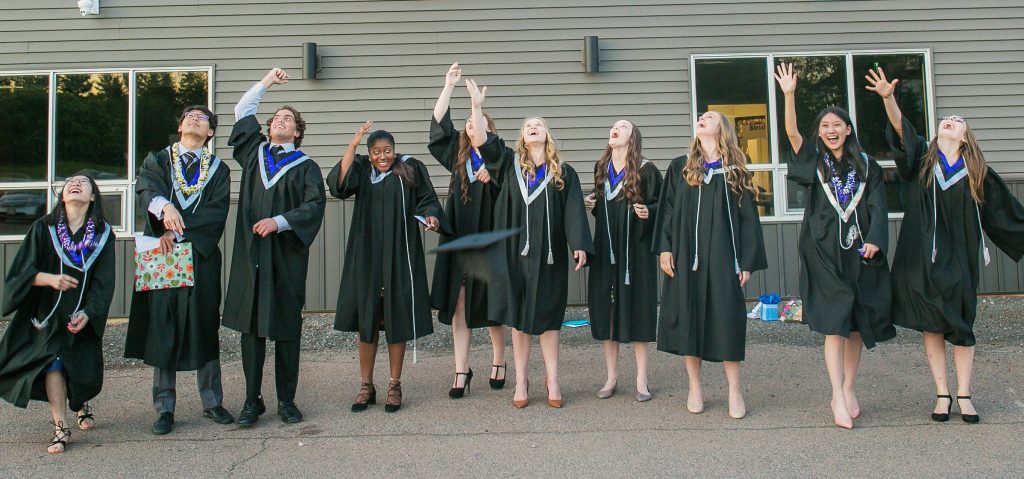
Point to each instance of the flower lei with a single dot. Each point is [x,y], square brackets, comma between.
[191,187]
[843,189]
[76,250]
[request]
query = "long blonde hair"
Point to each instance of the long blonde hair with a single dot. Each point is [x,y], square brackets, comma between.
[734,160]
[974,161]
[552,158]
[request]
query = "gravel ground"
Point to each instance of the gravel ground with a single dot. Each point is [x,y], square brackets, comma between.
[998,324]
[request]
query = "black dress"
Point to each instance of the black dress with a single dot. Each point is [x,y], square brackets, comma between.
[621,309]
[385,275]
[940,295]
[474,216]
[711,232]
[26,352]
[177,328]
[554,223]
[296,192]
[841,291]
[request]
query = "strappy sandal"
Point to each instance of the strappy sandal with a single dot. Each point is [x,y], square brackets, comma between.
[367,395]
[394,402]
[494,381]
[60,436]
[86,415]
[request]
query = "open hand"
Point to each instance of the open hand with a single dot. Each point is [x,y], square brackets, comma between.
[786,78]
[476,94]
[879,84]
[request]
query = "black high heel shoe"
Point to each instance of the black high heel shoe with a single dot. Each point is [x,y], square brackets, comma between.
[456,393]
[498,383]
[943,417]
[968,418]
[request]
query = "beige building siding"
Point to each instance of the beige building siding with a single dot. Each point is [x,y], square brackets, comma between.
[385,60]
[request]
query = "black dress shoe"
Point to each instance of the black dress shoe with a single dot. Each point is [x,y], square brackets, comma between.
[251,412]
[219,415]
[164,424]
[288,412]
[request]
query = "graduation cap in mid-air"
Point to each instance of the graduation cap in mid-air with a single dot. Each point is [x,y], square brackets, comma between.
[482,254]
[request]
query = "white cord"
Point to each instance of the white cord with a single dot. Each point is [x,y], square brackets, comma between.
[547,216]
[696,230]
[408,258]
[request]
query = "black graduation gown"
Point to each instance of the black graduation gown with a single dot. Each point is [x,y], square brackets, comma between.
[466,218]
[384,255]
[272,269]
[535,300]
[841,291]
[25,352]
[620,311]
[703,312]
[941,296]
[177,328]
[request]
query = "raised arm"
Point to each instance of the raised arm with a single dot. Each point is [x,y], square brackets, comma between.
[250,101]
[350,153]
[476,98]
[786,79]
[885,89]
[450,80]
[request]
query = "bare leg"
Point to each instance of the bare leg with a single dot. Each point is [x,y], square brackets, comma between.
[642,351]
[963,359]
[835,349]
[851,363]
[611,360]
[396,356]
[695,399]
[935,350]
[367,356]
[521,343]
[737,408]
[461,336]
[57,395]
[549,350]
[498,348]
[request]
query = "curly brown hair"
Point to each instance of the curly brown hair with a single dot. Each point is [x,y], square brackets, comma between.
[734,160]
[462,156]
[552,157]
[300,124]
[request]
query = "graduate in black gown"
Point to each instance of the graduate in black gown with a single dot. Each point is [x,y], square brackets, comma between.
[844,276]
[541,195]
[185,189]
[280,210]
[461,301]
[622,284]
[59,287]
[953,200]
[709,240]
[384,281]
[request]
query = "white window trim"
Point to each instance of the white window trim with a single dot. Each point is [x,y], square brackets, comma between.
[126,185]
[777,167]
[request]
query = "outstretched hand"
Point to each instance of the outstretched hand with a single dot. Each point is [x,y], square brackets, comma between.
[476,94]
[879,84]
[786,78]
[453,76]
[357,138]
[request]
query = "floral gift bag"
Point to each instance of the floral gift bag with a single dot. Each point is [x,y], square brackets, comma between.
[154,270]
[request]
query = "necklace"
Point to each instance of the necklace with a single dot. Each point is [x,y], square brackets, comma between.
[842,188]
[76,250]
[190,187]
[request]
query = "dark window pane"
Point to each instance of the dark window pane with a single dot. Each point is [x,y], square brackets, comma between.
[765,193]
[796,197]
[24,101]
[19,208]
[113,201]
[160,98]
[92,125]
[821,83]
[910,95]
[738,88]
[895,189]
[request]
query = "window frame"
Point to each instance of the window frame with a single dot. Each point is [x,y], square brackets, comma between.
[778,169]
[127,186]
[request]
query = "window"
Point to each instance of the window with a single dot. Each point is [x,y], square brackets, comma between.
[102,122]
[743,88]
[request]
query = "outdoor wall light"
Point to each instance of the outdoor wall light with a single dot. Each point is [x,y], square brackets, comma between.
[310,61]
[591,55]
[89,7]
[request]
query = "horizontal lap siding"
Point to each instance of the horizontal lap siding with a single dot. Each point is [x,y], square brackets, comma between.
[385,60]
